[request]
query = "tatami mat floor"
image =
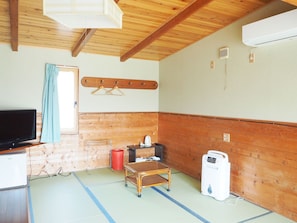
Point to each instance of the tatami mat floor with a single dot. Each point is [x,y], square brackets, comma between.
[99,196]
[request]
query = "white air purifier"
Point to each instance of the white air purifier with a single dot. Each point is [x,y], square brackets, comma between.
[215,175]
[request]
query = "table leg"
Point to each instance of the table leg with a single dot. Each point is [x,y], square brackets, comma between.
[139,185]
[169,179]
[126,174]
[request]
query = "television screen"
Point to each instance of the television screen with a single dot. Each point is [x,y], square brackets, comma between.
[16,127]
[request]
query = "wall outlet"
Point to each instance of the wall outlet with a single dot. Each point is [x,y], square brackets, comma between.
[226,137]
[212,64]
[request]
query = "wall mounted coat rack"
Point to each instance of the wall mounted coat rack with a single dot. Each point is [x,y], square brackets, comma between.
[97,82]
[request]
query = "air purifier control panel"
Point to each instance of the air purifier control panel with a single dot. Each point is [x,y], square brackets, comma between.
[211,159]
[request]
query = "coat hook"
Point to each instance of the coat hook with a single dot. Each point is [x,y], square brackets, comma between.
[123,83]
[101,82]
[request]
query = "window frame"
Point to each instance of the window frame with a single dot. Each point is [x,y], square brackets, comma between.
[75,72]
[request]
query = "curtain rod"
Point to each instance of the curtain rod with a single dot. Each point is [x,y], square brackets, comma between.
[65,66]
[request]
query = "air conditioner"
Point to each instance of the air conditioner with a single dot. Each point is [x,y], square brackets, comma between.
[276,28]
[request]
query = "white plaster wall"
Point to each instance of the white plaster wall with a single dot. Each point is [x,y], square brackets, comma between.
[264,90]
[22,75]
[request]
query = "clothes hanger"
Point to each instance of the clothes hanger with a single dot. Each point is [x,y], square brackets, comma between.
[100,89]
[115,91]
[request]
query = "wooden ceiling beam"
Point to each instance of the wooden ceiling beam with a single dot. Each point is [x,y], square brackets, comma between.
[175,20]
[84,38]
[14,24]
[292,2]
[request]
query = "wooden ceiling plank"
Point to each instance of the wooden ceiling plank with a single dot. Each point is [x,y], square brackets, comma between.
[292,2]
[85,37]
[14,21]
[185,13]
[140,19]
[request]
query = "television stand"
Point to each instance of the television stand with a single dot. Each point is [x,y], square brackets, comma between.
[15,203]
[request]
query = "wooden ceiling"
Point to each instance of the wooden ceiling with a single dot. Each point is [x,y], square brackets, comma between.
[152,29]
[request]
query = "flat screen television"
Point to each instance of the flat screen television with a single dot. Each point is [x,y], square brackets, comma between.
[17,127]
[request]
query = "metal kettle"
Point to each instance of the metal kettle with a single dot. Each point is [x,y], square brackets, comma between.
[147,141]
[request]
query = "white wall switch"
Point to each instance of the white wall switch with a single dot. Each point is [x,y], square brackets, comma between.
[226,137]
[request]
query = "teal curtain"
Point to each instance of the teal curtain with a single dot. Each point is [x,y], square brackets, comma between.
[50,106]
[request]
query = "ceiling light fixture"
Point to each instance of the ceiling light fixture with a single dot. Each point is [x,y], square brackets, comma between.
[84,13]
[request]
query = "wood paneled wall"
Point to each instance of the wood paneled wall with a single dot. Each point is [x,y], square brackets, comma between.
[99,133]
[262,154]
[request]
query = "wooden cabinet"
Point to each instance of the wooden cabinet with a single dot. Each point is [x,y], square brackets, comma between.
[15,203]
[13,185]
[134,151]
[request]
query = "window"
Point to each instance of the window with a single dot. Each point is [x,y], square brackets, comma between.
[68,99]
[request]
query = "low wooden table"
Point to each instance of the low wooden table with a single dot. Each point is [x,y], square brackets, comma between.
[147,174]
